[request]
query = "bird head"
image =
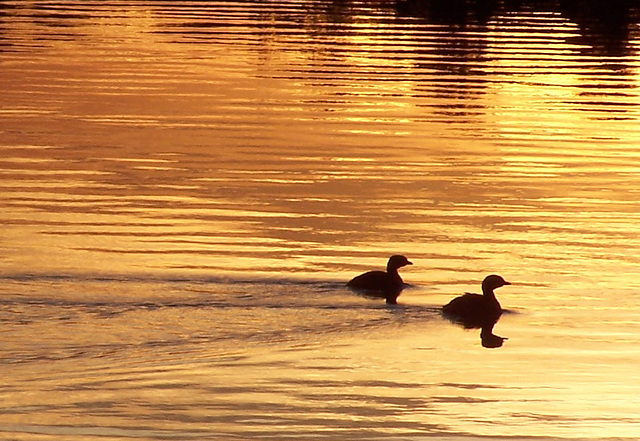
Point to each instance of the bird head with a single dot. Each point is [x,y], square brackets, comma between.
[492,282]
[397,261]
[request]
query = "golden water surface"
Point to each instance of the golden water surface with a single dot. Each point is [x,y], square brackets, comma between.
[186,186]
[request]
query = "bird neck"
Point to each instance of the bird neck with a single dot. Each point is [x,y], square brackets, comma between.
[489,294]
[393,272]
[492,300]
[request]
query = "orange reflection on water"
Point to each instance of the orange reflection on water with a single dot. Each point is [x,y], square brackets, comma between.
[176,178]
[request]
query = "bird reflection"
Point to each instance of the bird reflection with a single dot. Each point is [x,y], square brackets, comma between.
[387,285]
[479,311]
[488,338]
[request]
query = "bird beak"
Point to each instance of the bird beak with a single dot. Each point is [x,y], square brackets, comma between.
[507,283]
[409,262]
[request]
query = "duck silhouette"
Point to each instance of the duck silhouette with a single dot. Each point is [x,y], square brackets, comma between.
[475,310]
[479,311]
[386,284]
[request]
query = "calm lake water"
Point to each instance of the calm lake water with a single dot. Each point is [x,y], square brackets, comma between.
[187,186]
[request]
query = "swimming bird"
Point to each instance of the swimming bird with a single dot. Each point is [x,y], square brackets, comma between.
[387,284]
[475,310]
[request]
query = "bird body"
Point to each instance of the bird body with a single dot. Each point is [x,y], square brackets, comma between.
[387,284]
[475,310]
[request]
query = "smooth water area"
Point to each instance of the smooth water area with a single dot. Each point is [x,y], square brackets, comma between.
[186,187]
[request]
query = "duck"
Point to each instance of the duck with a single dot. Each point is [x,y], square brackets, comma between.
[387,284]
[475,310]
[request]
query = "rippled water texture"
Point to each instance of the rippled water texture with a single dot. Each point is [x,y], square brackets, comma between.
[185,187]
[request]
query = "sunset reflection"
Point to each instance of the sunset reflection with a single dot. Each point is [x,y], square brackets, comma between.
[186,188]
